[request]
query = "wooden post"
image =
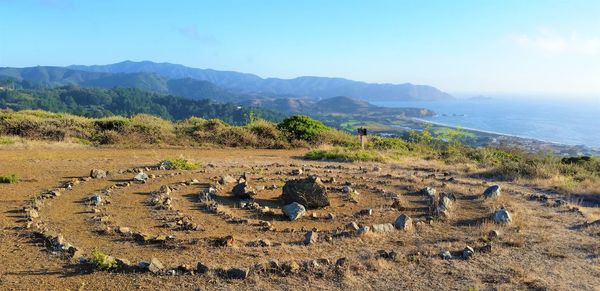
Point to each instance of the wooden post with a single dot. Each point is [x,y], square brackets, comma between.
[362,135]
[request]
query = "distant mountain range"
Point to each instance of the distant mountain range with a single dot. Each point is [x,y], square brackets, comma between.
[306,95]
[317,87]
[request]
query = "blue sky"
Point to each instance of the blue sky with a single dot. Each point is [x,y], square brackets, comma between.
[539,48]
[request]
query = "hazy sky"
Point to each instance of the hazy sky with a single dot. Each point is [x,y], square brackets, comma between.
[512,47]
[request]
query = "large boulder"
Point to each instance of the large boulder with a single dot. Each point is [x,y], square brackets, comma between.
[310,192]
[294,210]
[491,192]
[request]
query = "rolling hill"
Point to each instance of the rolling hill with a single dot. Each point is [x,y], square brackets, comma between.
[317,87]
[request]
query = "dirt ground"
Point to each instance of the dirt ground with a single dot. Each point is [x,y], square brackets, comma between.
[545,246]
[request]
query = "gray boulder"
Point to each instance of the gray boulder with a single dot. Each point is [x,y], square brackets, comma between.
[310,192]
[404,222]
[384,227]
[97,174]
[226,180]
[502,216]
[141,177]
[294,210]
[429,191]
[491,192]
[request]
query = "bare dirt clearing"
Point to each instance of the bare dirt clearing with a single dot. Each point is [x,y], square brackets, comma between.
[545,246]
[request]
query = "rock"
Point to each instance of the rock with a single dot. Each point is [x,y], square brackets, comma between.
[166,165]
[226,180]
[31,213]
[141,177]
[226,241]
[330,216]
[397,204]
[311,237]
[310,192]
[429,191]
[347,189]
[446,255]
[491,192]
[341,262]
[124,264]
[243,190]
[502,216]
[97,174]
[404,222]
[486,248]
[291,267]
[391,255]
[201,268]
[95,200]
[155,266]
[353,226]
[363,230]
[294,210]
[468,252]
[123,230]
[493,234]
[238,273]
[384,227]
[366,212]
[296,172]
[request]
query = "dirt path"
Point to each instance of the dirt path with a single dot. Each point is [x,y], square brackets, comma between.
[544,247]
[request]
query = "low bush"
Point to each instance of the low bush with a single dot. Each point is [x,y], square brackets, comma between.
[103,261]
[9,179]
[302,127]
[179,164]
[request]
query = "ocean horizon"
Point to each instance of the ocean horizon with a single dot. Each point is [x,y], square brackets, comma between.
[574,122]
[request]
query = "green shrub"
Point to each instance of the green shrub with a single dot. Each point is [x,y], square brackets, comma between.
[179,164]
[6,140]
[103,261]
[9,179]
[302,127]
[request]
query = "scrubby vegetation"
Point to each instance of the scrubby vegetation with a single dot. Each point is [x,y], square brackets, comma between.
[9,179]
[144,129]
[99,102]
[179,164]
[566,174]
[103,261]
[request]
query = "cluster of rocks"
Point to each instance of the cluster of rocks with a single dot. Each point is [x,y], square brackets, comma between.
[161,199]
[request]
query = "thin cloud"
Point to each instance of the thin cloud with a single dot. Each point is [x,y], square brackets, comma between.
[550,43]
[192,32]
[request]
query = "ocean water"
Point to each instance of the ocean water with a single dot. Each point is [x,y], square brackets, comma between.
[566,122]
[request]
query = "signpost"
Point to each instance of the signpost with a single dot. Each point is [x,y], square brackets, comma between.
[362,135]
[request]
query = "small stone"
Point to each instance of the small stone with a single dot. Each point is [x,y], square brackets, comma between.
[502,216]
[201,268]
[294,210]
[429,191]
[155,266]
[493,234]
[97,174]
[366,212]
[95,200]
[353,226]
[330,216]
[347,189]
[468,252]
[310,237]
[227,179]
[404,222]
[446,255]
[141,177]
[363,230]
[238,273]
[491,192]
[296,172]
[291,267]
[384,227]
[227,241]
[486,248]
